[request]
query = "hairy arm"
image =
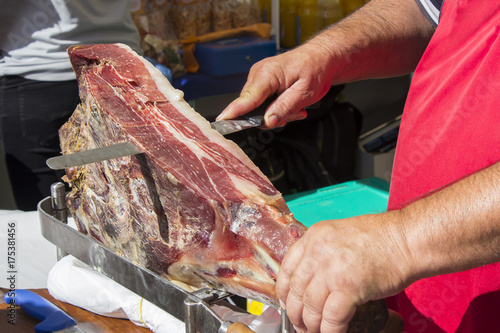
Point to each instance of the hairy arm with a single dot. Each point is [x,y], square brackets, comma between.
[382,39]
[456,228]
[385,38]
[325,274]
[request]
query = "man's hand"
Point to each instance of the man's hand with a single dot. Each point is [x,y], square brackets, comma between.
[295,85]
[384,38]
[339,264]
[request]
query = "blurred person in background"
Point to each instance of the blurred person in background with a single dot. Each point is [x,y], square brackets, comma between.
[38,89]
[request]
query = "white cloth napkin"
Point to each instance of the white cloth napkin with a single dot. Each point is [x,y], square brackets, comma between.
[24,253]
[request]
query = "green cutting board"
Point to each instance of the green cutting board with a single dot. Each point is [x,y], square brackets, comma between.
[353,198]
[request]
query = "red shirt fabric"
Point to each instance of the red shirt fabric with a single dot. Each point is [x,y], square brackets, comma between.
[450,129]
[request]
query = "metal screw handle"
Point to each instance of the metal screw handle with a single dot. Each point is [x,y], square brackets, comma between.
[58,200]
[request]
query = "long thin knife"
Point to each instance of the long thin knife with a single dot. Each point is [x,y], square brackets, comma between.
[93,155]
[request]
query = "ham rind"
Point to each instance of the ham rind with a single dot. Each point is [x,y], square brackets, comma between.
[193,207]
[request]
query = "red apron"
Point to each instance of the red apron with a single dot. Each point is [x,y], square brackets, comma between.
[451,128]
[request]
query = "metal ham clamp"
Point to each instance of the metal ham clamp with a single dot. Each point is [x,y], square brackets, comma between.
[193,308]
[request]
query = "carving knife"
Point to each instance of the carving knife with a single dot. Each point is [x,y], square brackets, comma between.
[52,319]
[254,118]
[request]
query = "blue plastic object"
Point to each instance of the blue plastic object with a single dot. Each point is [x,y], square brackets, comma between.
[199,85]
[50,316]
[152,60]
[233,55]
[354,198]
[163,69]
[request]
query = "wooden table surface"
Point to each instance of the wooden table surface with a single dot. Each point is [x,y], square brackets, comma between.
[87,321]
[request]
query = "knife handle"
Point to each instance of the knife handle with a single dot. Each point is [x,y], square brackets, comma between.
[257,114]
[239,328]
[50,316]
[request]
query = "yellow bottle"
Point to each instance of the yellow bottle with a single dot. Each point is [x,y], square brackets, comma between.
[265,10]
[307,22]
[288,23]
[349,6]
[328,12]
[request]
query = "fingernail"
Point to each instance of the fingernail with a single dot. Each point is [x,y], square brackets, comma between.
[272,120]
[282,305]
[281,124]
[297,330]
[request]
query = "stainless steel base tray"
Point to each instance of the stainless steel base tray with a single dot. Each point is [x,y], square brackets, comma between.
[193,308]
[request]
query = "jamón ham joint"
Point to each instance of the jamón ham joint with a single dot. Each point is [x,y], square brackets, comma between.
[193,207]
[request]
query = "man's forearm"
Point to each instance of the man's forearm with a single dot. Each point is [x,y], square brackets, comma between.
[384,38]
[456,228]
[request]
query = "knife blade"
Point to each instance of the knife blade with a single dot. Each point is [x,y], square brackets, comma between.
[93,155]
[255,118]
[52,319]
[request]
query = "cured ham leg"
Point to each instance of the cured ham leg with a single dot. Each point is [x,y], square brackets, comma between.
[193,207]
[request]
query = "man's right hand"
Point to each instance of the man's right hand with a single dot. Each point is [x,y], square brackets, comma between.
[298,78]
